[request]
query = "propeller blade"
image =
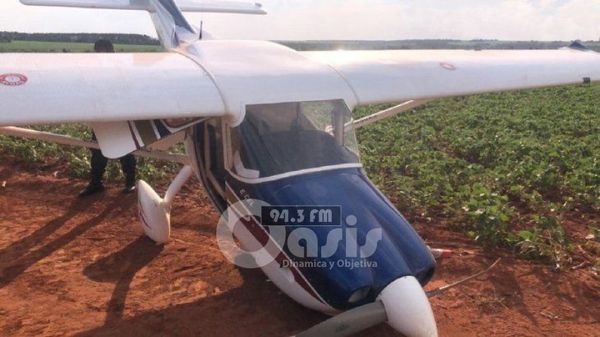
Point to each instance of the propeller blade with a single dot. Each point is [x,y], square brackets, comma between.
[349,322]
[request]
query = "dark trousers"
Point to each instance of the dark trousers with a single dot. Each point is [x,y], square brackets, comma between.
[99,162]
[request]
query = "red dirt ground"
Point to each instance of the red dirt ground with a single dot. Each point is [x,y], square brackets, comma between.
[82,268]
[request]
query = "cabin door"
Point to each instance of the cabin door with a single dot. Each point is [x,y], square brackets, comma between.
[209,141]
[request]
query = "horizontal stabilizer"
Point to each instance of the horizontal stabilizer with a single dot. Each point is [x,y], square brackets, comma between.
[184,5]
[220,7]
[171,25]
[104,4]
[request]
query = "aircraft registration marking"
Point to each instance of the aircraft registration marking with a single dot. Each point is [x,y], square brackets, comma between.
[13,80]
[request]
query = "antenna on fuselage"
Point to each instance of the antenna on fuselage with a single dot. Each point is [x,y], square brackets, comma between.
[201,26]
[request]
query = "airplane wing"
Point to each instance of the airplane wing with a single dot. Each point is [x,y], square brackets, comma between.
[134,100]
[399,75]
[63,88]
[131,100]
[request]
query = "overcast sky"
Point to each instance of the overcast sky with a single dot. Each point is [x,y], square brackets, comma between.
[344,19]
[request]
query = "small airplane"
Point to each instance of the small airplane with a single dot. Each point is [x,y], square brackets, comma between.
[264,122]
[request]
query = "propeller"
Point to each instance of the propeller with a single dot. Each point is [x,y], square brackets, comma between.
[154,211]
[403,304]
[349,322]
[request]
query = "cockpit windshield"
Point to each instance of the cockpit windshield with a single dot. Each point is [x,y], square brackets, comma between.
[281,138]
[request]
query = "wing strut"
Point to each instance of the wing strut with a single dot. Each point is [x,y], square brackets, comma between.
[387,113]
[71,141]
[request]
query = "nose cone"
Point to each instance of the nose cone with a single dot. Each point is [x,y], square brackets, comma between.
[407,308]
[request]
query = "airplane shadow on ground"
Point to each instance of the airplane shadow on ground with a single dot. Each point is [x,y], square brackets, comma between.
[121,268]
[20,255]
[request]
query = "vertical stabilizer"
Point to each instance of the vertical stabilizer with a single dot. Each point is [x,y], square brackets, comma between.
[171,26]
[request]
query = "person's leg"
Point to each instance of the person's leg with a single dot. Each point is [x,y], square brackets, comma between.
[98,167]
[99,163]
[128,165]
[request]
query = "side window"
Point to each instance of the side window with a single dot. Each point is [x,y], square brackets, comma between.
[239,159]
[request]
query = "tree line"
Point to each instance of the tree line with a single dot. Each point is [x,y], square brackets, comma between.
[135,39]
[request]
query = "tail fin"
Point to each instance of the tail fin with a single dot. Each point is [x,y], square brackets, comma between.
[171,26]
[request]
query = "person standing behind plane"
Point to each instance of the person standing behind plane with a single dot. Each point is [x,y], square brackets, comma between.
[99,161]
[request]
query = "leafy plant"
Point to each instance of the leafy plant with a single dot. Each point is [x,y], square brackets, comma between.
[545,240]
[488,214]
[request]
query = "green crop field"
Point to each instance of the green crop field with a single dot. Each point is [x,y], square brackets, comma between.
[44,47]
[508,169]
[74,161]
